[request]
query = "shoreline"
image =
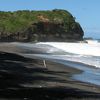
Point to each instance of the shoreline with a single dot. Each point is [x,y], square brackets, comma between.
[30,78]
[23,77]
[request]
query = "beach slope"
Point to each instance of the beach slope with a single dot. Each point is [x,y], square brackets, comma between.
[25,78]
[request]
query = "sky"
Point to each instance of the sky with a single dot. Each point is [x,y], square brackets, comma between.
[86,11]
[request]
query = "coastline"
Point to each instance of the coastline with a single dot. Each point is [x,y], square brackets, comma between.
[27,78]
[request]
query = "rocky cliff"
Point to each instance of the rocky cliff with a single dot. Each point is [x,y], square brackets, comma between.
[55,25]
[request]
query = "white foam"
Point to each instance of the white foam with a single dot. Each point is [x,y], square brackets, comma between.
[92,42]
[92,49]
[88,53]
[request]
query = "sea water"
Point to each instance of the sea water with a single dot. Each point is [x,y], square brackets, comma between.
[82,56]
[83,53]
[88,53]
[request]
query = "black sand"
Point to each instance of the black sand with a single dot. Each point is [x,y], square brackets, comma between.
[27,79]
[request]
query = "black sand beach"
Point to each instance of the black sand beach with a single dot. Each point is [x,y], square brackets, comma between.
[27,79]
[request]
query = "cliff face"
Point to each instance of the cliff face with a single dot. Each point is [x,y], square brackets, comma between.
[56,25]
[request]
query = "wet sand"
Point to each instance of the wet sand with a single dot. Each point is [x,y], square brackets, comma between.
[27,79]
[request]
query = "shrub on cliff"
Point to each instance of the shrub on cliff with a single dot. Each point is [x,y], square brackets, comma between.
[39,25]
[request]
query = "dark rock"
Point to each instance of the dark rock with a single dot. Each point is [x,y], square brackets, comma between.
[55,25]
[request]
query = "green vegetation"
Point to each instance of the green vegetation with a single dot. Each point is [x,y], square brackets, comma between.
[39,26]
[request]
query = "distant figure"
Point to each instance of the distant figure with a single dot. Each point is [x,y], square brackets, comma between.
[44,64]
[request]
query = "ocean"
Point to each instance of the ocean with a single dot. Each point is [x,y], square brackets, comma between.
[84,56]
